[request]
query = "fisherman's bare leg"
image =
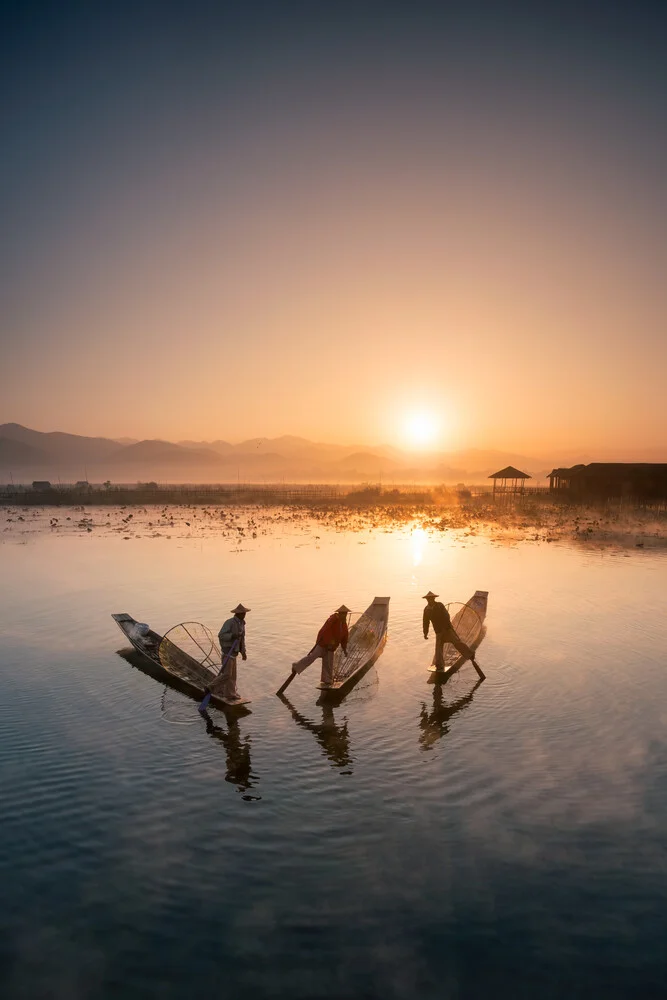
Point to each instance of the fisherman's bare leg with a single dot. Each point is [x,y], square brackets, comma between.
[439,646]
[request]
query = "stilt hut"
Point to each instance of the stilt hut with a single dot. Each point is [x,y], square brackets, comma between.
[511,480]
[641,482]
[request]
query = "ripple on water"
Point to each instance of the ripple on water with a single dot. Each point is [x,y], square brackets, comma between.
[377,847]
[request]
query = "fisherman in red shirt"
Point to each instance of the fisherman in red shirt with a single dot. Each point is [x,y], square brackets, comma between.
[332,634]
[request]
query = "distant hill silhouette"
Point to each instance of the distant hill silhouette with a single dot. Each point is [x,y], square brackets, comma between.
[27,454]
[264,464]
[366,463]
[163,452]
[70,447]
[221,447]
[16,454]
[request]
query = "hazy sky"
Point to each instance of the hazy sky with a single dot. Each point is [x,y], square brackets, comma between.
[222,220]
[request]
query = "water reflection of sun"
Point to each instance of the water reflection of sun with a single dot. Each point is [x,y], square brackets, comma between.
[418,542]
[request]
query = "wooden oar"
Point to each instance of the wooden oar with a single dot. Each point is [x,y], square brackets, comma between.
[479,670]
[207,697]
[287,683]
[291,677]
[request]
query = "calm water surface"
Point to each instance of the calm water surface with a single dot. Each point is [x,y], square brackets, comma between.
[416,841]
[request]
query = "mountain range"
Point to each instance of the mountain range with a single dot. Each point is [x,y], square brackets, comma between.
[26,455]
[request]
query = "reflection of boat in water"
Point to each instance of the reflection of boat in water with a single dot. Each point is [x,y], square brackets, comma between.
[185,674]
[332,737]
[365,644]
[433,724]
[158,673]
[468,623]
[237,748]
[363,687]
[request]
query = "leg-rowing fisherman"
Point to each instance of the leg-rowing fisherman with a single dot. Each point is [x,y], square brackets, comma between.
[333,633]
[437,615]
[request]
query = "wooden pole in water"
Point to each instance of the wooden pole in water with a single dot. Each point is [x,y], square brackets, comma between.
[286,684]
[482,675]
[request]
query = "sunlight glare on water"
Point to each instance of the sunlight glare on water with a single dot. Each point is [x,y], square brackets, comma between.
[416,840]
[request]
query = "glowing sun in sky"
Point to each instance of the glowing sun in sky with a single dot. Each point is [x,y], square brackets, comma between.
[421,430]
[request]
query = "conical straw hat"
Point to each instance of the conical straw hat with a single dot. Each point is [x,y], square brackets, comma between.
[239,609]
[430,594]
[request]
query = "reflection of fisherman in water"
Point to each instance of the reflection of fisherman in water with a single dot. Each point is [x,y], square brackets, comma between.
[239,767]
[434,724]
[333,739]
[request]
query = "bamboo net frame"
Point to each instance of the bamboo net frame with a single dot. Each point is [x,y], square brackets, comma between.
[365,637]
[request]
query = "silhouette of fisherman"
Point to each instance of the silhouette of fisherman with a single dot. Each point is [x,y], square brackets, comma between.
[232,642]
[437,615]
[332,634]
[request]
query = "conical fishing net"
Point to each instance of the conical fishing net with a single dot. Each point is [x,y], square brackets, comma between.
[365,637]
[191,652]
[468,626]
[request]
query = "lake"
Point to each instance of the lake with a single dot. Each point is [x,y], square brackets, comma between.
[419,840]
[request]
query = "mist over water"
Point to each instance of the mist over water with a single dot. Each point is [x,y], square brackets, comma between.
[416,840]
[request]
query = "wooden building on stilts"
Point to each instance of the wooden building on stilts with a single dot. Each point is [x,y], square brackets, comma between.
[598,482]
[509,482]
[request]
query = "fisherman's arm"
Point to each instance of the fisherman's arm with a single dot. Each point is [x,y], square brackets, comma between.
[427,622]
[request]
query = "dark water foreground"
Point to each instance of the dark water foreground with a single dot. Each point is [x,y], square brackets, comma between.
[506,838]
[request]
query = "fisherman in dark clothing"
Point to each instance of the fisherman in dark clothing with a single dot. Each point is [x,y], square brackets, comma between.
[437,615]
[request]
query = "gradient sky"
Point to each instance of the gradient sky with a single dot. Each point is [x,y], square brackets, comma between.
[222,220]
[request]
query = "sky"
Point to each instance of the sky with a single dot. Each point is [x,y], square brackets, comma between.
[403,223]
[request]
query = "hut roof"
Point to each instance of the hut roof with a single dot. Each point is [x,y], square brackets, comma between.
[563,471]
[510,473]
[610,468]
[626,466]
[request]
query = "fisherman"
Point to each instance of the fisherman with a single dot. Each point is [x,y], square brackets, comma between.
[332,634]
[437,615]
[232,642]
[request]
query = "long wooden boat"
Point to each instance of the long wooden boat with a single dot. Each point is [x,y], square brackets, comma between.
[183,673]
[468,623]
[365,644]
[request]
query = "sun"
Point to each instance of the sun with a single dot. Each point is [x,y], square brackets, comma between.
[421,430]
